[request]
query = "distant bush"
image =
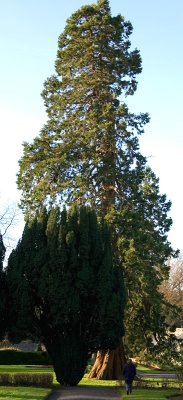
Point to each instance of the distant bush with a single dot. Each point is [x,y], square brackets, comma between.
[14,357]
[24,379]
[36,379]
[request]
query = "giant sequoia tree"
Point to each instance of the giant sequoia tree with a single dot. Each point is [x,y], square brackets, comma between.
[88,147]
[64,289]
[88,151]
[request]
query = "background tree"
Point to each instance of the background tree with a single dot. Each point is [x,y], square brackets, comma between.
[64,289]
[3,292]
[172,288]
[2,252]
[88,152]
[9,218]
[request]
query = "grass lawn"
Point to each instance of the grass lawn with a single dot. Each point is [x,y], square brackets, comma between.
[155,394]
[96,382]
[24,368]
[147,370]
[23,393]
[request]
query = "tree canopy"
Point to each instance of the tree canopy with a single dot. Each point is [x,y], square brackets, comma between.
[65,291]
[88,150]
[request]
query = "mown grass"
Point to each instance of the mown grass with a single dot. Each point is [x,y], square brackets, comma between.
[149,394]
[96,382]
[23,393]
[148,370]
[24,368]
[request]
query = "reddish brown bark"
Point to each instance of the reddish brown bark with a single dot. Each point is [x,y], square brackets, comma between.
[109,364]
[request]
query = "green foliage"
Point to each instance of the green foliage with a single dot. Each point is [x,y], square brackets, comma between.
[89,137]
[14,357]
[165,353]
[64,288]
[3,305]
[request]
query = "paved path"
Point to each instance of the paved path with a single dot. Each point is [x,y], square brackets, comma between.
[159,375]
[86,393]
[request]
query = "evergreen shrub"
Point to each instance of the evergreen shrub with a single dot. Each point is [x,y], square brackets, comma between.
[14,357]
[5,379]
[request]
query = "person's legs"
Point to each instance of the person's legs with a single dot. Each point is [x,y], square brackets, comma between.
[128,386]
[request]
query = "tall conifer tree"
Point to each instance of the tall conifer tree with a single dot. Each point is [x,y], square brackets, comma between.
[88,151]
[89,139]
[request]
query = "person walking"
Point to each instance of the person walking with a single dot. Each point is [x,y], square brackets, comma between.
[129,372]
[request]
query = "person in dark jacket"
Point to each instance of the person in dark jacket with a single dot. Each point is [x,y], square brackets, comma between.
[129,372]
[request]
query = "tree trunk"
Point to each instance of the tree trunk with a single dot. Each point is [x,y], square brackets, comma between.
[109,364]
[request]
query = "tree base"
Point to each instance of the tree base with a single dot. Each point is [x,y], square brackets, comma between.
[109,365]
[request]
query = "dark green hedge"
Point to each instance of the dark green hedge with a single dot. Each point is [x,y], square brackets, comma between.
[23,379]
[11,357]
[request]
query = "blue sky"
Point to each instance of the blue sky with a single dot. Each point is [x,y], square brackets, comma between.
[29,33]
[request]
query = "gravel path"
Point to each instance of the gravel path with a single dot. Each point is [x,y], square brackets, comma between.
[86,393]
